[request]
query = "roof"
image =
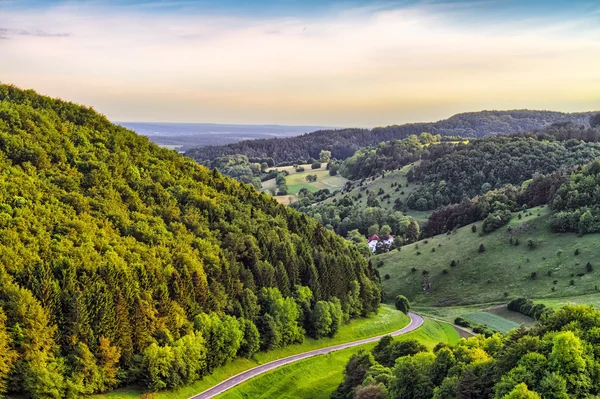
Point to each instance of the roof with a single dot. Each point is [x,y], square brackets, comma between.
[374,237]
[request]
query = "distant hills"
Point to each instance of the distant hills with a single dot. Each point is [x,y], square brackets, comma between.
[344,142]
[183,136]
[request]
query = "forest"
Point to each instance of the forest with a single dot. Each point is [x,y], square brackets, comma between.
[491,163]
[124,263]
[343,143]
[559,358]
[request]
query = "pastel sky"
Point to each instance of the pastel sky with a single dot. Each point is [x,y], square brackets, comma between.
[337,63]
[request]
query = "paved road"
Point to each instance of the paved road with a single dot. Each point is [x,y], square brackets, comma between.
[415,322]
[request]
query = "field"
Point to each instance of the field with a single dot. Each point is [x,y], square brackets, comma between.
[396,176]
[546,268]
[297,181]
[317,377]
[493,321]
[388,320]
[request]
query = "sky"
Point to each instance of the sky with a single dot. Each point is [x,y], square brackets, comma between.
[310,62]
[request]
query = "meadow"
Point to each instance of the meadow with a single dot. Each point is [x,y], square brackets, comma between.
[318,377]
[537,264]
[296,181]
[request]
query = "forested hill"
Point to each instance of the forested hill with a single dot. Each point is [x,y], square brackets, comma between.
[121,262]
[343,143]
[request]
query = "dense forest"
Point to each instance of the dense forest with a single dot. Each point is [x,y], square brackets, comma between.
[121,262]
[491,163]
[390,155]
[344,142]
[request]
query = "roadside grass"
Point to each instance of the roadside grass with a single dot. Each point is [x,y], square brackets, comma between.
[319,376]
[404,189]
[503,271]
[493,321]
[387,320]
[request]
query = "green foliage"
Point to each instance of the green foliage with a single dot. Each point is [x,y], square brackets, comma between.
[402,304]
[556,359]
[113,248]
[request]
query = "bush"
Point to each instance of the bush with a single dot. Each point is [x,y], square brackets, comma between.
[460,321]
[387,277]
[589,267]
[402,304]
[495,220]
[445,271]
[474,229]
[453,263]
[481,248]
[316,165]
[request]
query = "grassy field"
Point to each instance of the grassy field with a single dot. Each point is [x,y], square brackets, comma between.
[502,272]
[388,320]
[493,321]
[318,377]
[396,176]
[297,181]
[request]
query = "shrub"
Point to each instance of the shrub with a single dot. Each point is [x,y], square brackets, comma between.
[414,269]
[589,267]
[576,251]
[533,275]
[474,229]
[461,321]
[453,263]
[572,282]
[425,272]
[300,169]
[316,165]
[402,304]
[481,248]
[495,220]
[445,271]
[387,277]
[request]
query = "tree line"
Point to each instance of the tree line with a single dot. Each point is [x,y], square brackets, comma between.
[343,143]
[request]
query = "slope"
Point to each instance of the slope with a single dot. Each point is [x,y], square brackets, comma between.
[538,264]
[122,262]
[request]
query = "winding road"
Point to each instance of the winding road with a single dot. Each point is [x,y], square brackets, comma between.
[415,322]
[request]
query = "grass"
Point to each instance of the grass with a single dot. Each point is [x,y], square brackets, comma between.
[396,176]
[387,320]
[502,272]
[297,181]
[318,377]
[493,321]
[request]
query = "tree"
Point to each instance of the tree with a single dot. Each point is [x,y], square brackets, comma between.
[321,320]
[402,304]
[311,178]
[324,156]
[522,392]
[354,374]
[7,355]
[595,120]
[263,167]
[373,229]
[413,231]
[385,231]
[316,165]
[481,248]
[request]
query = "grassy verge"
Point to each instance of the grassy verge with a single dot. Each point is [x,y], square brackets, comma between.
[318,377]
[386,321]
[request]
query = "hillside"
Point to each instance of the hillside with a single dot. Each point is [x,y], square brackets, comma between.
[121,262]
[344,142]
[538,264]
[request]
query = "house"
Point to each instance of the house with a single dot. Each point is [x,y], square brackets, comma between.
[382,245]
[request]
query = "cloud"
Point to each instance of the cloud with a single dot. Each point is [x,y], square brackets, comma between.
[5,33]
[350,66]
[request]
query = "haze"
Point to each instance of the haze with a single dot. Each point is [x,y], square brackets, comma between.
[298,63]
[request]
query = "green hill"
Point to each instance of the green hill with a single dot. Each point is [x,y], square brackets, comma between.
[121,262]
[542,265]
